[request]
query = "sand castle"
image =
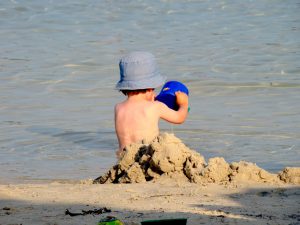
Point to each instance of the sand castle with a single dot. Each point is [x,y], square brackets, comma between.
[167,157]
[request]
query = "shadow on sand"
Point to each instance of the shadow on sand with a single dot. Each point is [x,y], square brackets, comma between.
[253,206]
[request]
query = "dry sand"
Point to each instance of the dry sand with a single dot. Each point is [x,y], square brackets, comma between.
[151,182]
[132,203]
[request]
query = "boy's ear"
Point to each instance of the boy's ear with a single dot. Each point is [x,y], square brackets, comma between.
[153,96]
[151,93]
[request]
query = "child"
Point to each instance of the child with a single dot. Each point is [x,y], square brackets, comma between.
[137,117]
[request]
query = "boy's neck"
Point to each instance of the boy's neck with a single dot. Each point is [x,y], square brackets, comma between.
[148,96]
[140,96]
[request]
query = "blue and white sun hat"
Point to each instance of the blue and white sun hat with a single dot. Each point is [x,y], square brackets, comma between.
[139,70]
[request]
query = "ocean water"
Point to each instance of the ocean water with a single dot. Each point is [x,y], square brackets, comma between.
[59,65]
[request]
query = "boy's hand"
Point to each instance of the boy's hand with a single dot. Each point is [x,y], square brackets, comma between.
[175,116]
[182,99]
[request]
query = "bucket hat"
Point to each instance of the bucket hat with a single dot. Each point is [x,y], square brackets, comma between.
[139,70]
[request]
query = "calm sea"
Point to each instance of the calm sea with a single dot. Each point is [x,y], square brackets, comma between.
[59,65]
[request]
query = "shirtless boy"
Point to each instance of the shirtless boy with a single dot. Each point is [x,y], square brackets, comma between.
[137,117]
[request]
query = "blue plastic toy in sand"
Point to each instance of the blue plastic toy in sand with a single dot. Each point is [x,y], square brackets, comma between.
[167,93]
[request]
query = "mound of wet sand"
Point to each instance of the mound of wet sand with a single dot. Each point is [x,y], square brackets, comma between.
[168,157]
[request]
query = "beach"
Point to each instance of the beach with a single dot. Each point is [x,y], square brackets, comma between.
[162,179]
[133,203]
[58,71]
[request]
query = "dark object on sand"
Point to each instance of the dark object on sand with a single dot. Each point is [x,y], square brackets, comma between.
[84,212]
[180,221]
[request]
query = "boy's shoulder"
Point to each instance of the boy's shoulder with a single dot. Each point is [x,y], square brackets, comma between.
[119,106]
[159,104]
[146,105]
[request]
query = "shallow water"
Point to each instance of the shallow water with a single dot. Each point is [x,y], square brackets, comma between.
[58,68]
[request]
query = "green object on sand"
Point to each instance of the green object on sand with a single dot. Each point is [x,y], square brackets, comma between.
[178,221]
[110,220]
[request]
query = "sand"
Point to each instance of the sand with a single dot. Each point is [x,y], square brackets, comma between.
[133,203]
[168,157]
[160,180]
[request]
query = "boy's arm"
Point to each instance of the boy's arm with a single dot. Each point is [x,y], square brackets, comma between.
[173,116]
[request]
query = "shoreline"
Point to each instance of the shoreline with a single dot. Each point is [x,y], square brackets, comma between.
[243,203]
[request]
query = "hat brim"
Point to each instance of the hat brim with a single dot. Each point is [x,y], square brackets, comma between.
[152,82]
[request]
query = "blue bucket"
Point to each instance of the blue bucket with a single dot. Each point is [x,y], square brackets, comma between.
[167,93]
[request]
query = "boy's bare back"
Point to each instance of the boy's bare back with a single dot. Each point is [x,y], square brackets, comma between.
[137,117]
